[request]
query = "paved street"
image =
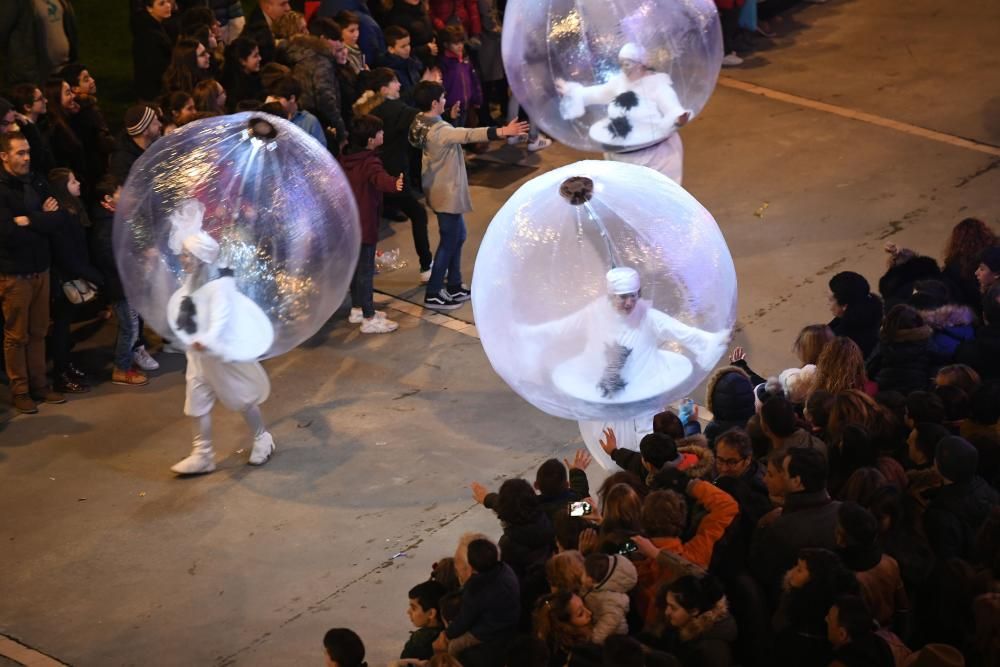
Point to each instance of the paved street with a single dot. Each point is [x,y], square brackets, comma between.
[891,133]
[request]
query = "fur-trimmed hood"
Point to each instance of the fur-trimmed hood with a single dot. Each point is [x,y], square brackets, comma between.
[697,446]
[729,394]
[713,619]
[948,316]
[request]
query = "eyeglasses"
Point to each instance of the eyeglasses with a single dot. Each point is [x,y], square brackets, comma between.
[730,462]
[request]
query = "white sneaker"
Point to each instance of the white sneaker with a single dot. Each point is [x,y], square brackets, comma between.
[377,325]
[263,447]
[539,144]
[356,316]
[198,463]
[425,276]
[143,360]
[732,60]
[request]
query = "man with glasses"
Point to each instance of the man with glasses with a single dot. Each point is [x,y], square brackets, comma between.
[742,477]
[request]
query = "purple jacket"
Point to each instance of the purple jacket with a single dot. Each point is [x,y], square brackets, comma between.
[460,81]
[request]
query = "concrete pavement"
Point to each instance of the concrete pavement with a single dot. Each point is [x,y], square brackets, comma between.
[106,559]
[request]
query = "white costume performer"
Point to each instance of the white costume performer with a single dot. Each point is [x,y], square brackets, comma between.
[644,114]
[624,360]
[225,332]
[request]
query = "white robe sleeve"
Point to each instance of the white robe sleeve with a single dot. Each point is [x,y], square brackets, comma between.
[220,308]
[706,346]
[578,97]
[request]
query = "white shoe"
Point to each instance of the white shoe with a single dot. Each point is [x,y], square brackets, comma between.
[356,316]
[201,461]
[514,141]
[144,360]
[377,325]
[732,60]
[263,447]
[173,347]
[539,144]
[425,276]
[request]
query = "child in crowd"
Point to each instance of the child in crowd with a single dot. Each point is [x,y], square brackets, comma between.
[565,572]
[607,581]
[350,30]
[446,186]
[286,91]
[368,181]
[344,648]
[424,614]
[461,82]
[397,57]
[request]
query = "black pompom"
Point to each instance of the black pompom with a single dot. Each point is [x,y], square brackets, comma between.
[185,316]
[620,127]
[627,100]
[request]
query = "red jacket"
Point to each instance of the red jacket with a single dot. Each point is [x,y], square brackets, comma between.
[368,179]
[466,11]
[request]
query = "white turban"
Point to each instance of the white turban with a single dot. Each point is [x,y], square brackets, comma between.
[202,246]
[623,280]
[185,221]
[634,52]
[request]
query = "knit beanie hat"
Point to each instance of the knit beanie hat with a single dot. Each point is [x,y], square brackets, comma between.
[991,258]
[956,459]
[138,118]
[849,287]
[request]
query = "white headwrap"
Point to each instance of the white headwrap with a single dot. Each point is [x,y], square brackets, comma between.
[623,280]
[186,234]
[634,52]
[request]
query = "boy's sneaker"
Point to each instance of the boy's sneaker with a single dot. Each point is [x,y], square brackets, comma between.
[519,139]
[539,144]
[460,294]
[732,60]
[143,360]
[425,276]
[377,325]
[441,301]
[356,316]
[130,377]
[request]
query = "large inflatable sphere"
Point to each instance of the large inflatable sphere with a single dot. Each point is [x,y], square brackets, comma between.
[274,200]
[612,75]
[603,291]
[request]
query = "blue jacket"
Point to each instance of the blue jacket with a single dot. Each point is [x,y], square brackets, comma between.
[491,605]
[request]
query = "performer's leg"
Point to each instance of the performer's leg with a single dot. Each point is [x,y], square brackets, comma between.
[202,458]
[263,443]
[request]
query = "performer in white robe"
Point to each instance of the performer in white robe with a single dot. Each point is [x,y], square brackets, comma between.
[644,114]
[224,332]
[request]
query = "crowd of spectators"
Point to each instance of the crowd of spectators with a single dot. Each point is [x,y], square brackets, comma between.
[843,512]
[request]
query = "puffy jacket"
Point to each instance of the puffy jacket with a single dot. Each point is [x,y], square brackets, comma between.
[369,181]
[460,81]
[903,364]
[315,68]
[608,601]
[953,324]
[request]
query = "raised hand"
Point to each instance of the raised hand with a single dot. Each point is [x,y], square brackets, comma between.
[610,442]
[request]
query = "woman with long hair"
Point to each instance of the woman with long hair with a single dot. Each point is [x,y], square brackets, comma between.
[152,40]
[67,146]
[965,244]
[189,64]
[840,367]
[70,262]
[209,97]
[178,108]
[563,622]
[241,75]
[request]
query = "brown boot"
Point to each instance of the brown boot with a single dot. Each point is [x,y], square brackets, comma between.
[24,404]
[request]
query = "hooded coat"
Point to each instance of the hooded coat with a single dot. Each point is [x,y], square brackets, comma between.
[903,364]
[952,324]
[707,640]
[608,601]
[729,397]
[315,68]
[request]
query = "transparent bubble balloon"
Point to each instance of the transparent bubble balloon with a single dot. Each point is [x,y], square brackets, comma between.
[612,75]
[603,291]
[277,208]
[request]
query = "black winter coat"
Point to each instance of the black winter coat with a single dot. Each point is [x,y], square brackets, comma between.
[954,516]
[396,149]
[730,552]
[983,353]
[903,365]
[25,250]
[256,28]
[861,322]
[151,48]
[125,154]
[490,605]
[896,285]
